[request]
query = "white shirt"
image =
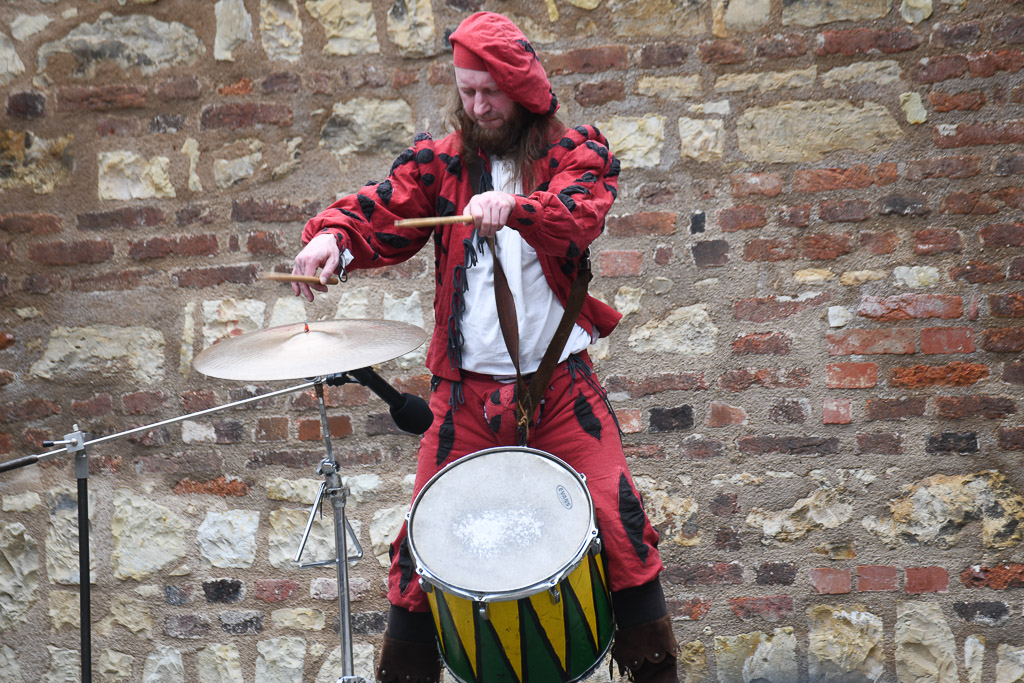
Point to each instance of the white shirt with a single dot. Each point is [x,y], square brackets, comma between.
[537,308]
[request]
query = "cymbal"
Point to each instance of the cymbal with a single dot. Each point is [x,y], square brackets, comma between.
[305,350]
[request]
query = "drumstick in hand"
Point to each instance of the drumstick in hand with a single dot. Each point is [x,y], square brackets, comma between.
[433,220]
[291,277]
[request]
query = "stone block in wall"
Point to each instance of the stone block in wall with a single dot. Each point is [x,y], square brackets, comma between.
[40,164]
[825,508]
[410,26]
[637,140]
[757,656]
[234,28]
[924,643]
[281,29]
[349,26]
[103,351]
[845,643]
[219,663]
[365,125]
[816,13]
[228,538]
[147,537]
[640,19]
[280,660]
[19,575]
[688,331]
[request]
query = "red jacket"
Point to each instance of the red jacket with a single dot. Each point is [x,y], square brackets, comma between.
[577,183]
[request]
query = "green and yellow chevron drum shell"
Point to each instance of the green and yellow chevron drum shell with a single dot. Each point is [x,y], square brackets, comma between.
[505,543]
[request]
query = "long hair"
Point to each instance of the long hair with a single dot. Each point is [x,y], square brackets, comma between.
[527,138]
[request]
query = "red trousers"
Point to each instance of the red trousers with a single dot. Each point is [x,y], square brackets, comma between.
[575,424]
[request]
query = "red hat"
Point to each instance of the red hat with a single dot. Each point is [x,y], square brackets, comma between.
[490,42]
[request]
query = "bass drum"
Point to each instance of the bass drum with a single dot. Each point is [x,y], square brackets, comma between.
[506,547]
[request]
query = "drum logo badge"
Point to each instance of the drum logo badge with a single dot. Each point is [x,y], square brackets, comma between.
[563,497]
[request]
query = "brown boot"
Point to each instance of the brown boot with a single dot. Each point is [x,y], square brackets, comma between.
[403,661]
[647,652]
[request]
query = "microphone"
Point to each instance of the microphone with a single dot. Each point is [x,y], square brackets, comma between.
[410,413]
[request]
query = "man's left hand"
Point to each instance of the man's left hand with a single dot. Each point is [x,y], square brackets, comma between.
[490,211]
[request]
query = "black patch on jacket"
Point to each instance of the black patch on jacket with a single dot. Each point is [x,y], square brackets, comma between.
[575,189]
[445,207]
[574,251]
[424,156]
[428,179]
[384,191]
[567,201]
[600,150]
[588,177]
[526,46]
[346,212]
[529,208]
[524,221]
[567,143]
[631,513]
[445,438]
[614,169]
[585,416]
[367,205]
[405,565]
[453,164]
[403,158]
[392,240]
[553,163]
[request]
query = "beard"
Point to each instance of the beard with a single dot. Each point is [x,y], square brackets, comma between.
[499,142]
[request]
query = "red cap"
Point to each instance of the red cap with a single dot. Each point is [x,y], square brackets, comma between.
[490,42]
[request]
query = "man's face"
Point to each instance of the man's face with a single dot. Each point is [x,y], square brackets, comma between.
[485,103]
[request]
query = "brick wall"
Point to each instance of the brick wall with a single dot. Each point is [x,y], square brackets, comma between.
[818,248]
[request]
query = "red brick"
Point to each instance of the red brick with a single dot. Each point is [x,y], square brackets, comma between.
[990,62]
[100,98]
[877,577]
[940,68]
[955,374]
[601,92]
[764,309]
[1015,270]
[221,486]
[263,242]
[724,505]
[775,343]
[1011,438]
[781,46]
[999,577]
[879,243]
[1013,197]
[869,342]
[845,211]
[1013,373]
[272,211]
[947,340]
[618,263]
[851,375]
[97,406]
[884,443]
[789,445]
[1009,30]
[722,51]
[953,35]
[926,580]
[239,115]
[828,581]
[1006,305]
[989,407]
[705,573]
[885,174]
[143,402]
[242,86]
[30,223]
[271,429]
[274,590]
[71,253]
[836,411]
[904,204]
[641,224]
[663,255]
[937,241]
[968,204]
[955,167]
[722,414]
[184,88]
[764,184]
[996,235]
[977,272]
[962,101]
[586,60]
[789,411]
[769,250]
[1003,339]
[699,447]
[339,425]
[662,54]
[771,607]
[26,105]
[28,410]
[824,247]
[631,420]
[911,306]
[688,609]
[281,82]
[795,216]
[216,275]
[971,134]
[894,408]
[827,179]
[770,378]
[180,245]
[743,217]
[677,381]
[126,218]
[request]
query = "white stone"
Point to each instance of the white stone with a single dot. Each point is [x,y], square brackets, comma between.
[10,670]
[293,154]
[365,125]
[281,29]
[190,148]
[105,351]
[806,131]
[147,537]
[688,331]
[62,537]
[813,275]
[198,432]
[673,515]
[114,666]
[362,487]
[125,175]
[974,657]
[925,649]
[353,304]
[669,87]
[228,172]
[825,508]
[643,19]
[64,609]
[766,81]
[28,312]
[163,665]
[730,16]
[11,65]
[701,139]
[298,618]
[411,28]
[136,41]
[302,491]
[839,316]
[719,108]
[815,12]
[852,278]
[132,614]
[1010,665]
[65,665]
[627,300]
[637,140]
[915,11]
[22,502]
[407,309]
[286,527]
[384,528]
[662,285]
[280,660]
[223,318]
[348,24]
[916,277]
[362,664]
[188,339]
[845,644]
[228,539]
[25,26]
[882,72]
[220,663]
[913,108]
[234,27]
[757,656]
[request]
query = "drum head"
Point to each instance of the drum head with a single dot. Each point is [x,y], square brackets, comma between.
[500,520]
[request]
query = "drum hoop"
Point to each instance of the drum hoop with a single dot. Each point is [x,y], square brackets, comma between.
[589,542]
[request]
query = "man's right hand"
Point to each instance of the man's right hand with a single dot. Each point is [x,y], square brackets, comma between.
[321,252]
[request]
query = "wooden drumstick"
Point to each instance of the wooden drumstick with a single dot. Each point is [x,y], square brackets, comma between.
[291,277]
[433,220]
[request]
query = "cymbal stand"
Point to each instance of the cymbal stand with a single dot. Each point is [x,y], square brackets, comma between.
[338,493]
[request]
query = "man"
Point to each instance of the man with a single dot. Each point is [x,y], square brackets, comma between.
[544,190]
